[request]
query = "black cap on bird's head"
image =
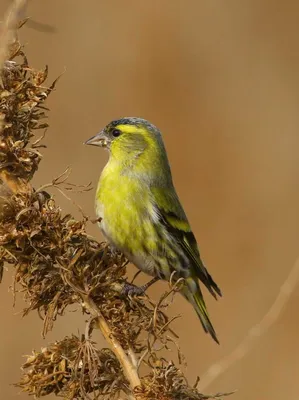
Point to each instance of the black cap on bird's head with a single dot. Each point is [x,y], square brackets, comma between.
[134,121]
[134,129]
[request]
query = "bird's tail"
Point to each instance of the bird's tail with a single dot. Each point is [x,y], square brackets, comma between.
[192,293]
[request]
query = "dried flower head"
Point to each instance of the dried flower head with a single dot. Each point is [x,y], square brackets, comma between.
[74,368]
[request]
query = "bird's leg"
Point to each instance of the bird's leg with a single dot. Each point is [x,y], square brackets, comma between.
[133,290]
[150,283]
[135,276]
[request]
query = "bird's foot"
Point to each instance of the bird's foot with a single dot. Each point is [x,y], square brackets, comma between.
[130,289]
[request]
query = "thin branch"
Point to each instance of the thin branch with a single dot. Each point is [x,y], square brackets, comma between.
[128,367]
[284,294]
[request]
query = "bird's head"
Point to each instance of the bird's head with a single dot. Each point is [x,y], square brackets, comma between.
[128,136]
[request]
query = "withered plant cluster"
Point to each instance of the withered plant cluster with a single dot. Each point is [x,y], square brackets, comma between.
[57,265]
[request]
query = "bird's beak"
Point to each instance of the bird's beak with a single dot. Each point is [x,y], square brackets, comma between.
[100,139]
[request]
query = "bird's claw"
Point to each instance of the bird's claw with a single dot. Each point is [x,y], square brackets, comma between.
[131,290]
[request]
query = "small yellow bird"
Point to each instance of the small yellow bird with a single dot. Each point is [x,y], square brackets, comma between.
[140,213]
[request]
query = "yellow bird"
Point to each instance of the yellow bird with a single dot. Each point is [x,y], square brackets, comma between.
[141,214]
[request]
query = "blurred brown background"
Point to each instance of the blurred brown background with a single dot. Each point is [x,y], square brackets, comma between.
[220,78]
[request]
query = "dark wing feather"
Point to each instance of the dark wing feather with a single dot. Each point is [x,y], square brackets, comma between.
[174,220]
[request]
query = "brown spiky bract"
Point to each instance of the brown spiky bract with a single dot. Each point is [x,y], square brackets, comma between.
[57,265]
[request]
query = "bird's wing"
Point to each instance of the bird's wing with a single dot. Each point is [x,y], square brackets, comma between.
[173,218]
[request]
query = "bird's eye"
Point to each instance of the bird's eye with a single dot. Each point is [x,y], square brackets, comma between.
[116,132]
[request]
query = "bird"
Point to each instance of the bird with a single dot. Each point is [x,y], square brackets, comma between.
[140,214]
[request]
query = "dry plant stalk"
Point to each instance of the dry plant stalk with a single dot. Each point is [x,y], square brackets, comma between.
[58,265]
[9,26]
[269,319]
